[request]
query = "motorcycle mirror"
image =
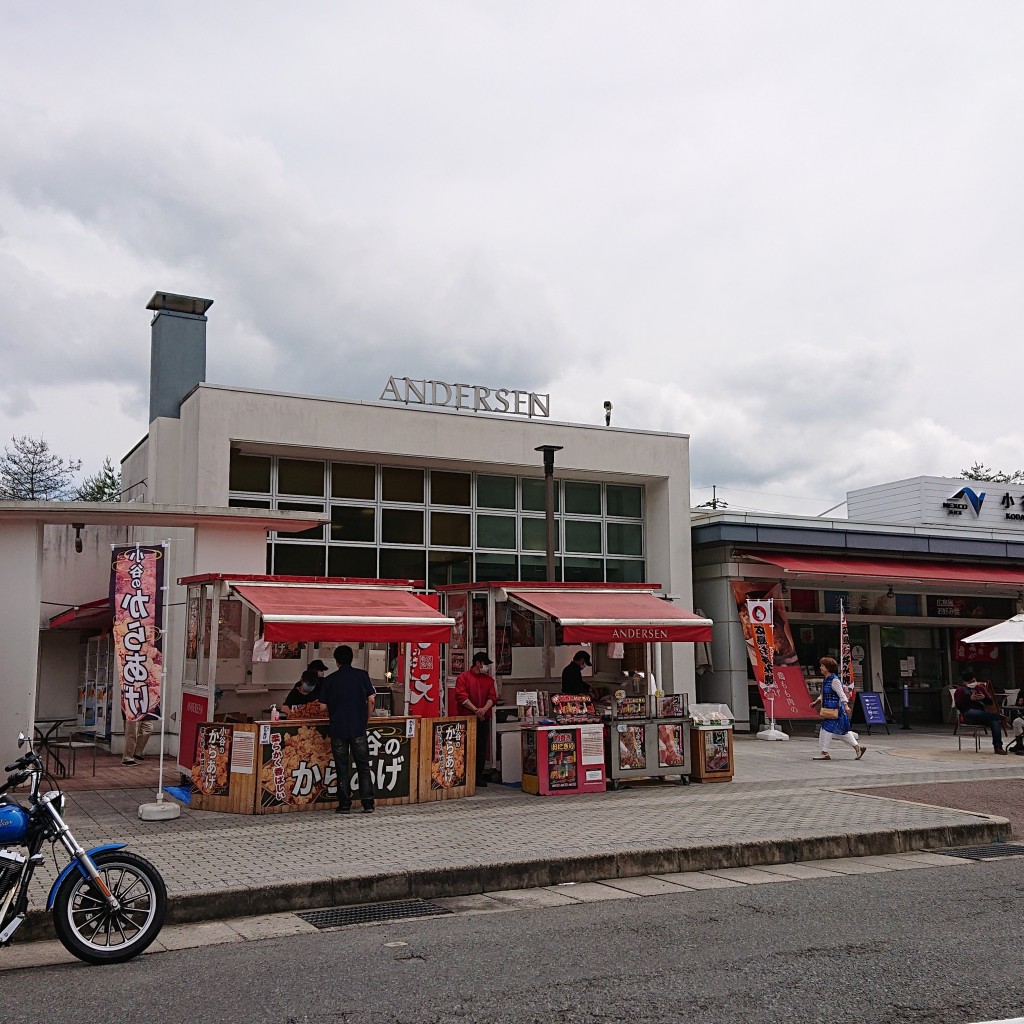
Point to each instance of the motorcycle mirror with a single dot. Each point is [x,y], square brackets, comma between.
[22,739]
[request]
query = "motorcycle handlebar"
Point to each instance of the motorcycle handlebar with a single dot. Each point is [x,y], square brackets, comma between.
[14,780]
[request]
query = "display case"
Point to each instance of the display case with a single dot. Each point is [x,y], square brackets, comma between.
[711,735]
[648,737]
[559,760]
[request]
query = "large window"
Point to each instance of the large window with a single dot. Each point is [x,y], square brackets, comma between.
[442,526]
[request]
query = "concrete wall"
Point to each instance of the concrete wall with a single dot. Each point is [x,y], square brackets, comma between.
[21,553]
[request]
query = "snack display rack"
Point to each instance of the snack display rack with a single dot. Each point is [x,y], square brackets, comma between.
[648,737]
[711,740]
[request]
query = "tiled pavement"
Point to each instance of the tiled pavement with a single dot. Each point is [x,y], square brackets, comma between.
[779,794]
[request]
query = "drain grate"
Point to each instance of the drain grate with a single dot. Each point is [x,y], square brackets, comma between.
[985,852]
[367,913]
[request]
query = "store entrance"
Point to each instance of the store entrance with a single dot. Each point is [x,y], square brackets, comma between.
[916,658]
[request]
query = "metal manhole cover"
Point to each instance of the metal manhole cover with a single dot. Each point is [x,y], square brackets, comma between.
[984,852]
[366,913]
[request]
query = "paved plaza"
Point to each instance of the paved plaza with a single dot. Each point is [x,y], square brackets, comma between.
[782,807]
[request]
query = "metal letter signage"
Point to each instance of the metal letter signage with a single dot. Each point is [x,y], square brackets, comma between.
[470,397]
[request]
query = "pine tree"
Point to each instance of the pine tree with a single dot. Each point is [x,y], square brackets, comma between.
[102,486]
[29,471]
[995,476]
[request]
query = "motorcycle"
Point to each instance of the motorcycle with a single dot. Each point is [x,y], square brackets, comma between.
[108,905]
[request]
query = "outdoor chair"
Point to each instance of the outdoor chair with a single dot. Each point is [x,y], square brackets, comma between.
[79,739]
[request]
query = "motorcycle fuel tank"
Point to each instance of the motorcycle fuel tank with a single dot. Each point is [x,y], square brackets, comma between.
[13,823]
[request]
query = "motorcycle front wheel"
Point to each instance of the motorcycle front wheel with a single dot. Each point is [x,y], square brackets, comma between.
[97,934]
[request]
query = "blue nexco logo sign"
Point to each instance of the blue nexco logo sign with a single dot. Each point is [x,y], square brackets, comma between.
[964,499]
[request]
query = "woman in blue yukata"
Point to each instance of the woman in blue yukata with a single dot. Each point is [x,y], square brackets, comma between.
[833,696]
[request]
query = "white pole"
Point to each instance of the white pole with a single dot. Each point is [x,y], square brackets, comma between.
[161,811]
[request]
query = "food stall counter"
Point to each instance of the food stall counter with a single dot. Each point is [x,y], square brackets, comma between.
[271,767]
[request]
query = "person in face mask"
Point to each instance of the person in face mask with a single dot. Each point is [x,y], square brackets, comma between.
[307,688]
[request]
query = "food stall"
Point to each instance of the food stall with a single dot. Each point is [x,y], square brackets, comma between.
[566,756]
[532,630]
[649,737]
[239,758]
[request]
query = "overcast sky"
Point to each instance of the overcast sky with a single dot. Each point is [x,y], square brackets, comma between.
[791,230]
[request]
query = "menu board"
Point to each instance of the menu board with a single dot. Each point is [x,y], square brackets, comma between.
[563,759]
[567,708]
[633,706]
[448,745]
[672,705]
[296,763]
[210,772]
[632,747]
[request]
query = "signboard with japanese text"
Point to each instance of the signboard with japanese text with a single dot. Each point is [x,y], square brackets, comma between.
[424,671]
[973,653]
[296,764]
[563,759]
[871,705]
[137,597]
[448,743]
[210,772]
[633,705]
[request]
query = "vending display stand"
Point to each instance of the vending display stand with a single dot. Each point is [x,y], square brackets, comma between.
[649,737]
[559,760]
[711,741]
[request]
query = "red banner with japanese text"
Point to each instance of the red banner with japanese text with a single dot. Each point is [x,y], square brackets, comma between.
[424,690]
[790,693]
[136,597]
[846,655]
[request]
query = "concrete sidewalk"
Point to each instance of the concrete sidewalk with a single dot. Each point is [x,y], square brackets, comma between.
[782,807]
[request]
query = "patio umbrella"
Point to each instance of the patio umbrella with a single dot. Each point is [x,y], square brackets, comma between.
[1009,632]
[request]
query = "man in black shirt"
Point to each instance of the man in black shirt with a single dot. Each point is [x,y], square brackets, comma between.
[348,694]
[572,676]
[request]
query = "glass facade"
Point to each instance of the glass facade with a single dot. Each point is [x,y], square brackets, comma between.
[442,526]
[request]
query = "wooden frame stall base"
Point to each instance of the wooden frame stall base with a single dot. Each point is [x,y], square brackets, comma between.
[712,753]
[277,767]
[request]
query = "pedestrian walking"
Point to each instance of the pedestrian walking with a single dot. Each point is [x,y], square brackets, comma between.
[348,694]
[833,697]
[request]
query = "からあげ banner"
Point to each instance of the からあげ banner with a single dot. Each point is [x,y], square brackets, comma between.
[785,683]
[136,597]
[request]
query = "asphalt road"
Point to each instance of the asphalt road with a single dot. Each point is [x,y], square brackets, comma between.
[921,945]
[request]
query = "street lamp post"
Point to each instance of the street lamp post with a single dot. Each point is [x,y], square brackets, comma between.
[549,516]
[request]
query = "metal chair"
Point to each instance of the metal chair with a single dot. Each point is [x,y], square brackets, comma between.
[76,740]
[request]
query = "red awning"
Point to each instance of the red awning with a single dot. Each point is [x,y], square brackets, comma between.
[891,569]
[94,615]
[610,616]
[379,615]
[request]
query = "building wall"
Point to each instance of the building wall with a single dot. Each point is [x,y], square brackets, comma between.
[213,419]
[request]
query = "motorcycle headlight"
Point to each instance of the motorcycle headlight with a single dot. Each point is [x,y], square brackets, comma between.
[56,798]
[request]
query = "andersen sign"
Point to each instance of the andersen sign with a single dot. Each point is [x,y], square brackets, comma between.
[471,397]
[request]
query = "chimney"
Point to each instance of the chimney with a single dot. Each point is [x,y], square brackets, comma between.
[177,361]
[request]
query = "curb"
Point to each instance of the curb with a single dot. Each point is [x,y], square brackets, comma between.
[434,883]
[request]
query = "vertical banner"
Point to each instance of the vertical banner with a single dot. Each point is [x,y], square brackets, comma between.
[792,698]
[424,693]
[845,655]
[136,596]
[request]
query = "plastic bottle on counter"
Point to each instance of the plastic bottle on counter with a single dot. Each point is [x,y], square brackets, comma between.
[275,715]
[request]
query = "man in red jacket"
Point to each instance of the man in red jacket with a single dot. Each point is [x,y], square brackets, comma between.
[475,695]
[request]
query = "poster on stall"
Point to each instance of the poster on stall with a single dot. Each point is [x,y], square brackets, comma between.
[631,706]
[792,699]
[210,772]
[296,763]
[529,739]
[716,751]
[632,747]
[424,671]
[563,759]
[671,746]
[137,598]
[449,741]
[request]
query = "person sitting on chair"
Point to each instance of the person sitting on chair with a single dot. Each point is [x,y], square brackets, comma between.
[969,699]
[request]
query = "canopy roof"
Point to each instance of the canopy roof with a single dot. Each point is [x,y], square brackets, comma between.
[93,615]
[612,615]
[380,614]
[885,569]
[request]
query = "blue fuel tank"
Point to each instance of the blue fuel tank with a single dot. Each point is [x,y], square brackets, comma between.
[13,823]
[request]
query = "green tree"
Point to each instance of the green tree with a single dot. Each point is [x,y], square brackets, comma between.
[102,486]
[995,476]
[29,471]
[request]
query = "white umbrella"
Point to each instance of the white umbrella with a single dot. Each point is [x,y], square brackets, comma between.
[1009,632]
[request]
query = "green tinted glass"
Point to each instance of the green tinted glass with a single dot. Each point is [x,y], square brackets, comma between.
[496,492]
[495,531]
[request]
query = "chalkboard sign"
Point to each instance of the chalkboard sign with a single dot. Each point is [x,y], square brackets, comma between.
[874,712]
